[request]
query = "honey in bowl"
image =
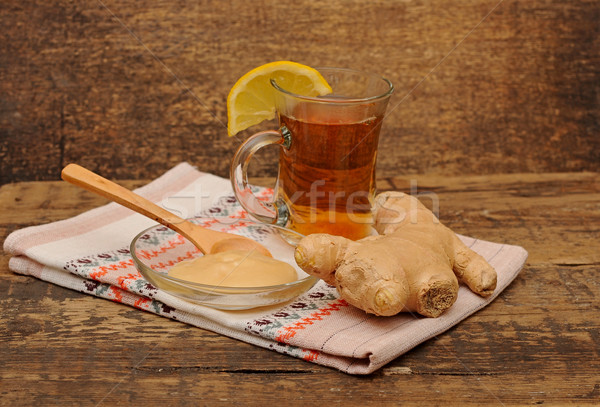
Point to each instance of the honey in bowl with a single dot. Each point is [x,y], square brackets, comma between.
[235,268]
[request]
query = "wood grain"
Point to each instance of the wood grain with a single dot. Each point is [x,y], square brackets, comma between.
[537,343]
[129,88]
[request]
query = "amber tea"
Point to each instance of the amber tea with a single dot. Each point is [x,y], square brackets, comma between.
[327,175]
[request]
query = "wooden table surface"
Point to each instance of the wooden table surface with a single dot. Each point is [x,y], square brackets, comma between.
[496,110]
[537,343]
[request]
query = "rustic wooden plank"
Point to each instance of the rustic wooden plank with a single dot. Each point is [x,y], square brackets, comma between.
[171,360]
[131,88]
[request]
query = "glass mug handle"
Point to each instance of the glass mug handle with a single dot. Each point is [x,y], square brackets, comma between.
[275,212]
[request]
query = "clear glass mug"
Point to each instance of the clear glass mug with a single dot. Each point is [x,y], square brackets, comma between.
[326,180]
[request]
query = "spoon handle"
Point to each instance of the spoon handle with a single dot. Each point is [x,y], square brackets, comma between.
[93,182]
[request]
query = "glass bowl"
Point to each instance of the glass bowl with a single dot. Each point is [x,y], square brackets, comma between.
[156,249]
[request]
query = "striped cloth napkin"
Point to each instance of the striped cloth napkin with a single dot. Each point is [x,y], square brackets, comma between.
[317,326]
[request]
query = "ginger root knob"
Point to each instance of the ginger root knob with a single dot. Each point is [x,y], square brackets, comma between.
[414,267]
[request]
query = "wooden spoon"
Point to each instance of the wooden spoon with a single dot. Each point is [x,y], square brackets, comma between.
[208,241]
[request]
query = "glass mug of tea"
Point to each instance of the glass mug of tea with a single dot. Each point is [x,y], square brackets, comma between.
[326,180]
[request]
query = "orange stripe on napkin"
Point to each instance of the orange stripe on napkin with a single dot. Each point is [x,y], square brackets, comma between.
[290,331]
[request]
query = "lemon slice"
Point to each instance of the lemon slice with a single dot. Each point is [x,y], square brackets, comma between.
[252,98]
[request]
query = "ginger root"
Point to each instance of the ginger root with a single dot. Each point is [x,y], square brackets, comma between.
[413,265]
